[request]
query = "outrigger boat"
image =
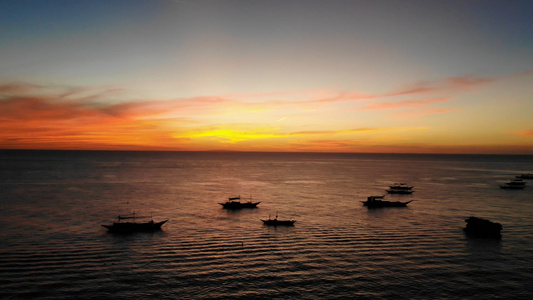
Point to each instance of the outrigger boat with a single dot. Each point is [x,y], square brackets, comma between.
[128,227]
[400,188]
[235,203]
[525,176]
[516,184]
[276,222]
[377,201]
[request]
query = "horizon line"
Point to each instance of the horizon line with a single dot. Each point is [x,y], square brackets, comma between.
[251,151]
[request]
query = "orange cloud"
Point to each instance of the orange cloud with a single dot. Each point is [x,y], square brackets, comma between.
[403,104]
[446,85]
[33,116]
[527,132]
[468,81]
[423,112]
[306,99]
[45,122]
[450,84]
[17,88]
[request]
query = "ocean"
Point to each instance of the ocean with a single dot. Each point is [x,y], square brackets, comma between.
[52,246]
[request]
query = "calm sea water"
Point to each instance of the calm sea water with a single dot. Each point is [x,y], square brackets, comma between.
[53,247]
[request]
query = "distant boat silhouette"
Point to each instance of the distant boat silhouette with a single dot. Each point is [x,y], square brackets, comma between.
[400,188]
[276,222]
[525,176]
[129,227]
[235,203]
[515,184]
[483,228]
[377,201]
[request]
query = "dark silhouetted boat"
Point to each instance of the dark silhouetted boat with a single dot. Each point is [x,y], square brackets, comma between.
[400,188]
[235,203]
[129,226]
[516,184]
[377,201]
[276,222]
[525,176]
[482,228]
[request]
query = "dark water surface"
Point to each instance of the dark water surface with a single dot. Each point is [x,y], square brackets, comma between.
[52,246]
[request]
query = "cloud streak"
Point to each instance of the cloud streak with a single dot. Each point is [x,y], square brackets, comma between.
[527,132]
[34,116]
[44,122]
[403,104]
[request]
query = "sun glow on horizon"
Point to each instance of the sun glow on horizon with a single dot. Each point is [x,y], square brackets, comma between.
[33,118]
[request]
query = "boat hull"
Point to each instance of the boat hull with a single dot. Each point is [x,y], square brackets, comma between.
[276,222]
[403,192]
[400,188]
[239,205]
[517,184]
[383,203]
[129,227]
[512,187]
[525,176]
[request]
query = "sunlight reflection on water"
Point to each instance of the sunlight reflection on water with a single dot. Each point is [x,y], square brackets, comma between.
[53,247]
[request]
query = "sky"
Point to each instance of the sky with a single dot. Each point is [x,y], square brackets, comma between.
[379,76]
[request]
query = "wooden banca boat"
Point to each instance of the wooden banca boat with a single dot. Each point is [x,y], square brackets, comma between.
[516,184]
[525,176]
[400,188]
[133,225]
[276,222]
[235,203]
[377,201]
